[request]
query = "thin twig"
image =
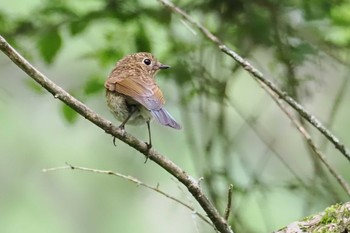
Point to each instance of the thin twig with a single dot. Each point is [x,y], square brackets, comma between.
[335,105]
[309,141]
[259,76]
[190,200]
[59,93]
[134,180]
[229,202]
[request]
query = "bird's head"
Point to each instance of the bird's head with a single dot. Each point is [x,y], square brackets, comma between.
[143,62]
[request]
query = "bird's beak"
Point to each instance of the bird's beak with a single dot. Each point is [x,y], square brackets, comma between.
[163,67]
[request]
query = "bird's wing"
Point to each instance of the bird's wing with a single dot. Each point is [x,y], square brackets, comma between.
[146,93]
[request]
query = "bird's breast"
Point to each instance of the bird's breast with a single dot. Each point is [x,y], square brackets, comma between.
[122,106]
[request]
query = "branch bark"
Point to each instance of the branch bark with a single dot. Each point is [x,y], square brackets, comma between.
[135,181]
[260,77]
[192,185]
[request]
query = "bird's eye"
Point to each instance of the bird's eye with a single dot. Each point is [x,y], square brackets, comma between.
[147,61]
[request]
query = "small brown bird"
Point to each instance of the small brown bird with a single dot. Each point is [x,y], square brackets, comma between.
[132,94]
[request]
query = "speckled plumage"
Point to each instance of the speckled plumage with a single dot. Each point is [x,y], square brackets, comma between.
[131,88]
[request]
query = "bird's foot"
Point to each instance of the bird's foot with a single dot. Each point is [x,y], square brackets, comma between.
[122,128]
[149,146]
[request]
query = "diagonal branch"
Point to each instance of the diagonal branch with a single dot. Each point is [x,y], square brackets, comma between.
[133,180]
[191,184]
[343,183]
[259,76]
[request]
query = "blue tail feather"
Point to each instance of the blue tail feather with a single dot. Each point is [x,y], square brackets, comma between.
[164,118]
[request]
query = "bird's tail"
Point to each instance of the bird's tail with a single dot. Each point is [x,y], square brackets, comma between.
[164,118]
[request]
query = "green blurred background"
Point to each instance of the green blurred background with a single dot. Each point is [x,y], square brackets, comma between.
[233,133]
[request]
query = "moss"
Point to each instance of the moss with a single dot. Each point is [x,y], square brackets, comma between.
[331,214]
[307,218]
[334,220]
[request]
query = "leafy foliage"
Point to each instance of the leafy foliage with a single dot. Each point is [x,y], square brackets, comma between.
[290,35]
[94,85]
[49,44]
[69,114]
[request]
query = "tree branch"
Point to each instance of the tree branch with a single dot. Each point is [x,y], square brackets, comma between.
[133,180]
[343,183]
[259,76]
[191,184]
[229,202]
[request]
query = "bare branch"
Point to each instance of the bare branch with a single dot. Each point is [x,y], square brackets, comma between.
[191,184]
[335,106]
[134,180]
[259,76]
[229,202]
[309,141]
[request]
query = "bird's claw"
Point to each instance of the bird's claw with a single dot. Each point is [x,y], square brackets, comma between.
[149,146]
[122,128]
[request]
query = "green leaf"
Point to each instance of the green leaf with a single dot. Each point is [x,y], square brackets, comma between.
[77,27]
[142,41]
[301,52]
[94,85]
[69,114]
[49,44]
[341,15]
[34,86]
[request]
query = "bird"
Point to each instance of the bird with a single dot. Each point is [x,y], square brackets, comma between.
[134,97]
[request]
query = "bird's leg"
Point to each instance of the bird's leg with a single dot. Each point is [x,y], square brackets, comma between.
[122,125]
[149,144]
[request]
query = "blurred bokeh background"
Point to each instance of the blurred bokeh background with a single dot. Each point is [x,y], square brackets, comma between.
[233,133]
